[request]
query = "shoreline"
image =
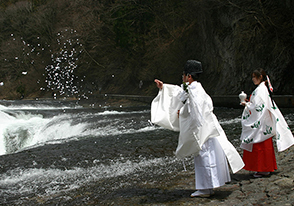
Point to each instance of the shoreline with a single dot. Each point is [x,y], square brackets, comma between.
[243,190]
[230,101]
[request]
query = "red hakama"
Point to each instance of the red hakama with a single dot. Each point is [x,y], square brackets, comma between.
[262,158]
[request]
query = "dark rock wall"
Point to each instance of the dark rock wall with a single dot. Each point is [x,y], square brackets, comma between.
[121,46]
[232,39]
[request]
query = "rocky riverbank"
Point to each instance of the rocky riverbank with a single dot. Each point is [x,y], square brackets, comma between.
[244,189]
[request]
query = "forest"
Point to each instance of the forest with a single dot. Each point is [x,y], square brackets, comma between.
[79,48]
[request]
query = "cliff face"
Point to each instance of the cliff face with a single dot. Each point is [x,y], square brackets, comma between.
[79,48]
[247,36]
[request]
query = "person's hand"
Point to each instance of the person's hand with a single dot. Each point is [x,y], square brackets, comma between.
[244,103]
[159,83]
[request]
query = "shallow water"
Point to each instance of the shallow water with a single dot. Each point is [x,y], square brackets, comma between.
[51,148]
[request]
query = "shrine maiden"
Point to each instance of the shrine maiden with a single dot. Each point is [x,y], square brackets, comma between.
[189,110]
[261,121]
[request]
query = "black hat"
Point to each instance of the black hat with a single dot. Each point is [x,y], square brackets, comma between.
[193,67]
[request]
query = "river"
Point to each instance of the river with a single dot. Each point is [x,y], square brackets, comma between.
[53,148]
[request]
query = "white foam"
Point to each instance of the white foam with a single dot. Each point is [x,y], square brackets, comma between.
[230,121]
[113,112]
[54,181]
[25,130]
[19,132]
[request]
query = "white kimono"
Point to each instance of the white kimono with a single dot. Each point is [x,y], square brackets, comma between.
[261,119]
[200,133]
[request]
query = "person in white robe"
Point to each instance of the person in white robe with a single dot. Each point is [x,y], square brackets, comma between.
[189,110]
[262,121]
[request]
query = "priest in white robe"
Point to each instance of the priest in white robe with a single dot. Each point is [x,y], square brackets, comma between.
[189,110]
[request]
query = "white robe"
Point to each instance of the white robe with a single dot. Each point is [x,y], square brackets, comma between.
[262,120]
[211,167]
[196,124]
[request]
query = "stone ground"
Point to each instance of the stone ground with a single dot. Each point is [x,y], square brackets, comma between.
[244,189]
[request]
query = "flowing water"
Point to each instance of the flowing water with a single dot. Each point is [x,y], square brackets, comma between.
[53,148]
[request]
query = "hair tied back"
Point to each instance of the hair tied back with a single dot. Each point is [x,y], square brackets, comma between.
[269,84]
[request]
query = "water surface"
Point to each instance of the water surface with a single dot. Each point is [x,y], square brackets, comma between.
[53,148]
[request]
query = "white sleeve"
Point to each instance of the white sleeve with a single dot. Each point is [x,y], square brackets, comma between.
[165,106]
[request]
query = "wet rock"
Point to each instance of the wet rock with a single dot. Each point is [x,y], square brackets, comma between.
[244,189]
